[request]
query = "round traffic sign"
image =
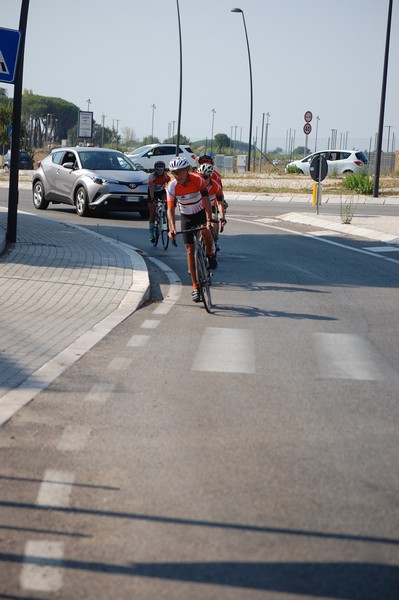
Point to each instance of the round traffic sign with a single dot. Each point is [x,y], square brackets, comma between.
[308,116]
[318,167]
[307,128]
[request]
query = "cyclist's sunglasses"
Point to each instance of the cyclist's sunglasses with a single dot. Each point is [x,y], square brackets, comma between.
[160,169]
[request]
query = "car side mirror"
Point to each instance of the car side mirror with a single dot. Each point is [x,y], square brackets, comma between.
[68,165]
[150,153]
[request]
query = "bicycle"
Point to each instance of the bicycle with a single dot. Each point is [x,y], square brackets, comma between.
[161,225]
[202,270]
[219,229]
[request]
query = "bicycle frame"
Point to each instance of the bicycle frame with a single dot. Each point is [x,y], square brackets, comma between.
[202,270]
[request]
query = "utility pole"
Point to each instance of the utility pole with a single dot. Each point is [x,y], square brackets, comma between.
[102,130]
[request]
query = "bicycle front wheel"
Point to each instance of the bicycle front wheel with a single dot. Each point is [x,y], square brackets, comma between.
[203,280]
[165,231]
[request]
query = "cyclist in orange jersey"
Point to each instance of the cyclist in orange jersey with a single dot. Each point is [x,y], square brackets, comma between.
[208,159]
[157,182]
[215,194]
[189,191]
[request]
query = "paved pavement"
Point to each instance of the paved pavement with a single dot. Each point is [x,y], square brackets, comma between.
[63,288]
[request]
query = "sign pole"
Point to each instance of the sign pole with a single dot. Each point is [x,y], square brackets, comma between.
[16,131]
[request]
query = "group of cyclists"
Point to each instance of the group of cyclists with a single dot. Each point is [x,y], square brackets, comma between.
[199,197]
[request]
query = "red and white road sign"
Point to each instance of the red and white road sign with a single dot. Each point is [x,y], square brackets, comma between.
[307,128]
[308,116]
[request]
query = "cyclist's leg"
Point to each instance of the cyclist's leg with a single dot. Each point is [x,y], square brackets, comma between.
[215,226]
[186,223]
[210,253]
[151,220]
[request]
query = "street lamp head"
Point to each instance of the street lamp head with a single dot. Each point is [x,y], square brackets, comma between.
[237,10]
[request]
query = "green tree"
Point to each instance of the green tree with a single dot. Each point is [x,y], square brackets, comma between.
[302,151]
[5,116]
[221,141]
[172,140]
[47,119]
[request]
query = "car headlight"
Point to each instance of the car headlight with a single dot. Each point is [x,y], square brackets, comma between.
[101,180]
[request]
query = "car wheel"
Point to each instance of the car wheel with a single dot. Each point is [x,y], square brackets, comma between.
[81,202]
[347,172]
[38,196]
[6,168]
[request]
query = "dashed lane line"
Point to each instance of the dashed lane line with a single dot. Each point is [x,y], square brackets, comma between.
[55,489]
[38,576]
[100,392]
[225,350]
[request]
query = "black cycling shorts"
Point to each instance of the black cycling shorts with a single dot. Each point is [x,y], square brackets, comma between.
[161,195]
[188,221]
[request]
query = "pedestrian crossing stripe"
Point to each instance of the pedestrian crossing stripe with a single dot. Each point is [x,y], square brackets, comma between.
[3,66]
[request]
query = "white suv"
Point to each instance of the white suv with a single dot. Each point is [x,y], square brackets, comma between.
[339,161]
[147,156]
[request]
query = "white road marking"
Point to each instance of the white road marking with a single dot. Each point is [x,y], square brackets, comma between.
[318,238]
[345,356]
[382,249]
[150,324]
[223,350]
[74,437]
[174,292]
[42,577]
[119,363]
[100,392]
[55,488]
[138,340]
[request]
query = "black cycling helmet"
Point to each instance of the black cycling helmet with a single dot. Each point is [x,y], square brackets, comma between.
[159,165]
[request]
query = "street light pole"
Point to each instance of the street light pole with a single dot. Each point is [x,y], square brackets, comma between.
[382,106]
[152,123]
[317,130]
[238,10]
[181,82]
[213,118]
[266,132]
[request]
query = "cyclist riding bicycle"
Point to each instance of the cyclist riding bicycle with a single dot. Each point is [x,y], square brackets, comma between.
[207,158]
[189,191]
[157,183]
[215,194]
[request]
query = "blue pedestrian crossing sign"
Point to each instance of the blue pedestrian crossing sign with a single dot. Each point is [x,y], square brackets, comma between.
[9,46]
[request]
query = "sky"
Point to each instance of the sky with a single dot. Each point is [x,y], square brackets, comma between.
[321,56]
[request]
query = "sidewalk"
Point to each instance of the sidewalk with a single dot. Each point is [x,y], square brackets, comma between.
[63,288]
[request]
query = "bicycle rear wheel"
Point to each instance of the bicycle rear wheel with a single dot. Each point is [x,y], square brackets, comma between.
[165,231]
[203,280]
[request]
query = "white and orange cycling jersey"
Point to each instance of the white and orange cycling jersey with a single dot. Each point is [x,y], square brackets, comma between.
[217,178]
[189,196]
[215,193]
[158,182]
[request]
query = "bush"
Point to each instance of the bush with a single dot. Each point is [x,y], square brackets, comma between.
[360,182]
[293,169]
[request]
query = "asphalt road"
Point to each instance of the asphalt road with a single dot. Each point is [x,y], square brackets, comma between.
[251,453]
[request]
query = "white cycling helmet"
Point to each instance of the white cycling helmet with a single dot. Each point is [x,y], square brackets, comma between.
[178,163]
[205,169]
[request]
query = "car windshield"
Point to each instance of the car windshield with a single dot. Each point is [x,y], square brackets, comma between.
[106,161]
[142,149]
